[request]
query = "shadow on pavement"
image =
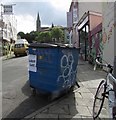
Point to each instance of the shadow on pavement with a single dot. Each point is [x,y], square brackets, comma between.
[86,72]
[29,105]
[67,108]
[34,103]
[26,90]
[64,108]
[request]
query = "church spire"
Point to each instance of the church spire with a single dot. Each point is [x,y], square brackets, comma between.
[52,25]
[38,23]
[38,18]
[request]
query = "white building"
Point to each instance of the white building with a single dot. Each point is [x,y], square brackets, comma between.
[8,28]
[9,31]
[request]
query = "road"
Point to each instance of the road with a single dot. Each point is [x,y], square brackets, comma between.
[17,99]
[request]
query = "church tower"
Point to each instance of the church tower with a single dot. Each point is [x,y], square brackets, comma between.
[38,23]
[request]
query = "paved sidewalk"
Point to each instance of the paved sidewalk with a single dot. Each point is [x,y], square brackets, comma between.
[9,56]
[77,104]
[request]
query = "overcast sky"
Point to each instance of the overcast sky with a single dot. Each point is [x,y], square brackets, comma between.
[50,11]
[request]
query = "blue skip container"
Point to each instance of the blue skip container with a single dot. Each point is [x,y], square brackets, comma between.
[52,68]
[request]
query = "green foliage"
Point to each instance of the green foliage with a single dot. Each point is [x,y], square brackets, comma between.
[29,36]
[57,34]
[54,35]
[21,34]
[44,37]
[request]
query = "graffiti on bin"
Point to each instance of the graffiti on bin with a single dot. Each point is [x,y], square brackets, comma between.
[68,74]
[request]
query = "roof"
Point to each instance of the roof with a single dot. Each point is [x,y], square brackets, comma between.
[21,41]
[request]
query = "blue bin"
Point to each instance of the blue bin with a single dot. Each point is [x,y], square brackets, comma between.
[52,68]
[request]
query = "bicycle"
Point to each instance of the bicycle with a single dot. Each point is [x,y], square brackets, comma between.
[105,90]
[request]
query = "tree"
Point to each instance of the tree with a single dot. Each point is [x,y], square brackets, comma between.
[21,34]
[57,34]
[44,37]
[54,33]
[27,37]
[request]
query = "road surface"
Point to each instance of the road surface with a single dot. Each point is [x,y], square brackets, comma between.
[17,99]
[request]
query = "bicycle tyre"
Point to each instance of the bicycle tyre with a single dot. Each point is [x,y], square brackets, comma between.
[102,83]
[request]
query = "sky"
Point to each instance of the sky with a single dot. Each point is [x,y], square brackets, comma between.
[50,11]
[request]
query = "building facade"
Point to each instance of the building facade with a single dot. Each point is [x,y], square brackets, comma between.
[89,16]
[8,33]
[39,28]
[89,6]
[72,18]
[86,27]
[8,30]
[109,52]
[72,15]
[108,28]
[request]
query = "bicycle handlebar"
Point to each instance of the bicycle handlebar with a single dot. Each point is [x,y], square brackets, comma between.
[104,65]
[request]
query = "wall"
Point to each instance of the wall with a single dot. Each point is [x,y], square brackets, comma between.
[69,20]
[96,44]
[115,29]
[74,11]
[89,6]
[72,18]
[94,20]
[108,31]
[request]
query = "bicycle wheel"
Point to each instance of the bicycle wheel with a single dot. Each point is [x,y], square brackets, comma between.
[99,99]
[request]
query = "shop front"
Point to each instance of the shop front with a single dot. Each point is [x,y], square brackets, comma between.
[88,22]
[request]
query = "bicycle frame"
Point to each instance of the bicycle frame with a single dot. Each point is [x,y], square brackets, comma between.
[109,92]
[111,98]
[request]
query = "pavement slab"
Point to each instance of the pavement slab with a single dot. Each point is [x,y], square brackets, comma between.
[82,89]
[87,95]
[69,117]
[48,116]
[67,101]
[59,109]
[79,110]
[84,102]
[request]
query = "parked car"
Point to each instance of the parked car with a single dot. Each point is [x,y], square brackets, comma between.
[21,47]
